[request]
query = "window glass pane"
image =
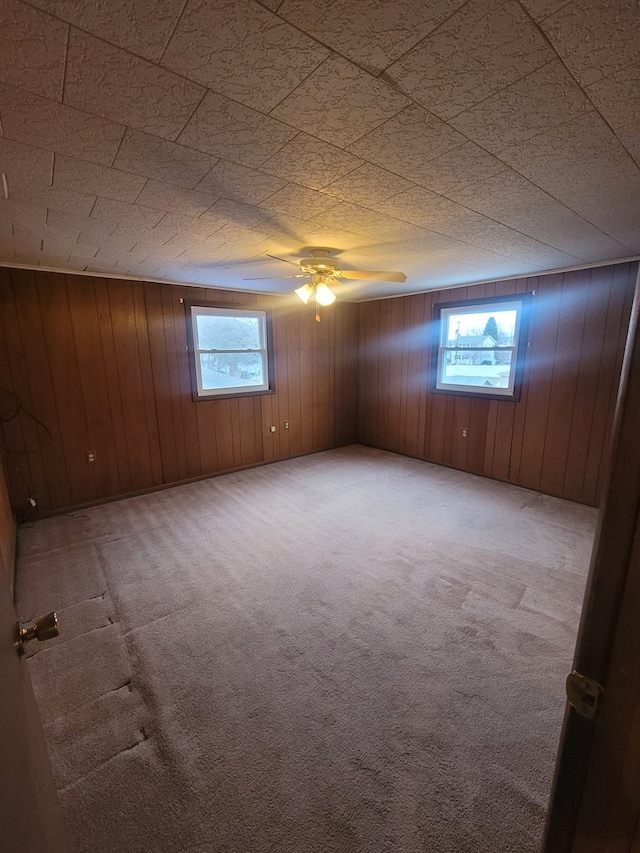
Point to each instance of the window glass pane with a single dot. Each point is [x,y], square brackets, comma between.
[477,368]
[481,329]
[217,332]
[231,369]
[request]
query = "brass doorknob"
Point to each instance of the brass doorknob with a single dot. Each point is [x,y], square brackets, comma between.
[42,628]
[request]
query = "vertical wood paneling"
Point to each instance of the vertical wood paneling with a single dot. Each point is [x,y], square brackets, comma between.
[103,363]
[65,377]
[93,382]
[554,438]
[7,533]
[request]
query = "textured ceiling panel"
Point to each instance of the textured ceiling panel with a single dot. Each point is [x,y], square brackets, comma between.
[140,26]
[112,83]
[582,164]
[512,200]
[72,174]
[242,50]
[32,49]
[546,98]
[227,129]
[340,103]
[372,34]
[408,141]
[595,38]
[311,162]
[56,127]
[159,159]
[367,186]
[189,139]
[477,52]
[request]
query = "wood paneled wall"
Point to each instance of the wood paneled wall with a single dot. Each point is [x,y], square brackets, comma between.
[7,535]
[103,364]
[554,439]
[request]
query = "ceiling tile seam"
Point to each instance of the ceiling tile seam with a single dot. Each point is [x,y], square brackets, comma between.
[582,88]
[558,248]
[497,92]
[384,72]
[172,33]
[66,63]
[289,93]
[585,89]
[546,191]
[115,156]
[140,59]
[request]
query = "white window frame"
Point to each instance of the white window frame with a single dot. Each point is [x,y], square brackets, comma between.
[201,393]
[482,306]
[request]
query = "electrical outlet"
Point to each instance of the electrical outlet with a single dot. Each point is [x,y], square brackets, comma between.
[286,424]
[464,432]
[272,429]
[91,457]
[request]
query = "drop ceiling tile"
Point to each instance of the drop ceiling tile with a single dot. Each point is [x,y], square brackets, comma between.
[371,34]
[92,233]
[162,160]
[368,186]
[299,201]
[541,9]
[242,50]
[423,208]
[310,162]
[546,98]
[229,180]
[33,46]
[583,165]
[192,227]
[408,141]
[109,82]
[79,176]
[123,215]
[25,218]
[595,38]
[465,165]
[139,26]
[617,98]
[226,210]
[512,200]
[26,168]
[340,102]
[58,199]
[481,49]
[167,197]
[57,127]
[226,129]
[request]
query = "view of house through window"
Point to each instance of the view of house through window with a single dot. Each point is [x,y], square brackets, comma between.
[478,347]
[229,351]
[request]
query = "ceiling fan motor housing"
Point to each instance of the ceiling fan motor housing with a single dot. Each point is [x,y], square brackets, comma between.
[313,266]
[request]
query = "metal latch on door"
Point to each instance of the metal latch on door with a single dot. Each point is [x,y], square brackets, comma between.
[42,628]
[584,694]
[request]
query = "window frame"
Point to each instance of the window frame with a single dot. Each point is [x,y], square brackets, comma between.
[441,310]
[200,394]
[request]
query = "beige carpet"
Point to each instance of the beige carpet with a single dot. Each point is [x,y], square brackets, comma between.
[352,651]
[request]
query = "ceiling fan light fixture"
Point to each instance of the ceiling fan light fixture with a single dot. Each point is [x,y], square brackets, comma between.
[324,295]
[305,292]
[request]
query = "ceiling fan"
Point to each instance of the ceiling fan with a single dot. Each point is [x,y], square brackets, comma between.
[325,272]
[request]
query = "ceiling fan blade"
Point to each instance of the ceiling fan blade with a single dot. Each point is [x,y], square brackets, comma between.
[275,277]
[284,260]
[372,275]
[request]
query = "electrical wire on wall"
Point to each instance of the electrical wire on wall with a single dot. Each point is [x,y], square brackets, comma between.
[11,409]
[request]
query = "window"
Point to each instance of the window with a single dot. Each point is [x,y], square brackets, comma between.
[229,351]
[480,346]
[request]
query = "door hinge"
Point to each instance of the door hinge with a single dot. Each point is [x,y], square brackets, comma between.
[584,694]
